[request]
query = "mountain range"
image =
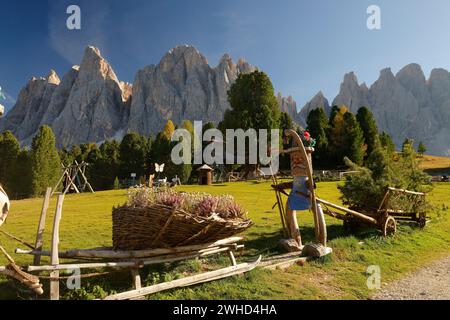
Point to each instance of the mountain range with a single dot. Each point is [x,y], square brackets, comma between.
[405,105]
[90,104]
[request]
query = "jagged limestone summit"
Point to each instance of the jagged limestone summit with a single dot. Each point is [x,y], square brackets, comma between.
[90,104]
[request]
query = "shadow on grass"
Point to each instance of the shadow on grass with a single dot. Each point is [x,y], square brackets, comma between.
[268,243]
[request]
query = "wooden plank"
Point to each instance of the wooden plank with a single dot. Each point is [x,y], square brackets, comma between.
[188,281]
[126,264]
[54,283]
[111,254]
[286,263]
[352,212]
[41,227]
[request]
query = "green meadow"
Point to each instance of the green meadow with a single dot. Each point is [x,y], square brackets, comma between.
[86,223]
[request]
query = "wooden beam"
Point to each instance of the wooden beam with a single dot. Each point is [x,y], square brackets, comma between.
[407,191]
[352,212]
[60,180]
[188,281]
[127,264]
[71,178]
[54,283]
[131,254]
[83,175]
[286,263]
[41,227]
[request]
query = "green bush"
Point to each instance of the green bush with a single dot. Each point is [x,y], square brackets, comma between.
[366,188]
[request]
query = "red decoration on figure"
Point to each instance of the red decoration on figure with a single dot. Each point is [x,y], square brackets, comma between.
[306,135]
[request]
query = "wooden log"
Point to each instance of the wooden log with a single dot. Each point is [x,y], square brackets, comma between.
[352,212]
[407,191]
[127,264]
[54,283]
[41,227]
[71,177]
[286,263]
[111,254]
[192,280]
[59,181]
[84,176]
[17,239]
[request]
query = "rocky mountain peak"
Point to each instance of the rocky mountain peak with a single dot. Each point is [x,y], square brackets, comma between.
[95,67]
[53,78]
[412,70]
[386,75]
[90,104]
[351,94]
[186,55]
[318,101]
[350,79]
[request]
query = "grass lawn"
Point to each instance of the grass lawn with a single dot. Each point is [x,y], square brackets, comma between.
[86,223]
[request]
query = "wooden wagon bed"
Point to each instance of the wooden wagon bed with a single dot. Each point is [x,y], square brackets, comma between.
[397,204]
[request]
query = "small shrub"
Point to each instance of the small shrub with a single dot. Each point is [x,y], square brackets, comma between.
[366,189]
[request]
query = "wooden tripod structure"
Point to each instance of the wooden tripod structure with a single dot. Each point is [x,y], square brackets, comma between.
[74,176]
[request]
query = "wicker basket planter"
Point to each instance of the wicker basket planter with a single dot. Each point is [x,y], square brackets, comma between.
[160,226]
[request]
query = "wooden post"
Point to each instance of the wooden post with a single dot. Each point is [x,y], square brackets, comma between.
[54,283]
[137,284]
[60,180]
[83,164]
[232,258]
[136,277]
[71,177]
[41,227]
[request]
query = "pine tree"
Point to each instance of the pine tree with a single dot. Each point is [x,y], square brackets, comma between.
[318,126]
[45,161]
[23,174]
[354,139]
[253,106]
[387,143]
[253,103]
[9,151]
[407,147]
[421,149]
[133,152]
[336,137]
[369,127]
[286,121]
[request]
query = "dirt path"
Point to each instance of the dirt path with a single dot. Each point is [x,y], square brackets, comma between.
[431,282]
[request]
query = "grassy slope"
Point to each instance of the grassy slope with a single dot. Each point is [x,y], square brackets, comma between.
[87,223]
[435,164]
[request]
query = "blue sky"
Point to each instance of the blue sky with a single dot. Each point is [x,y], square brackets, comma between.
[305,46]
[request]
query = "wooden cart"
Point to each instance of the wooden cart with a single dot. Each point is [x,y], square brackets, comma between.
[397,204]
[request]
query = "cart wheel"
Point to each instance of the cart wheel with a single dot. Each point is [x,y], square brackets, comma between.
[389,226]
